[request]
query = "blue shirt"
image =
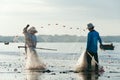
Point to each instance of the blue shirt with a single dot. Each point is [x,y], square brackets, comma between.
[92,41]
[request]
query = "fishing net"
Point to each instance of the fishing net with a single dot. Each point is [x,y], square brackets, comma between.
[33,61]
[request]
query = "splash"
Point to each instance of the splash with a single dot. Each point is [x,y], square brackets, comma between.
[33,62]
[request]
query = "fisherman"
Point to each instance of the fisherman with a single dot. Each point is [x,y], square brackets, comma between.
[30,38]
[92,46]
[33,61]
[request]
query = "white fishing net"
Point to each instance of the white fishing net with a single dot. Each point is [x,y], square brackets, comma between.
[81,63]
[33,61]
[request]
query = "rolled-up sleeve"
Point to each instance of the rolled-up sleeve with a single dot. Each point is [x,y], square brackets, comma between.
[100,41]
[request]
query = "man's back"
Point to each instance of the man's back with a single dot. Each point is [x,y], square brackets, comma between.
[92,41]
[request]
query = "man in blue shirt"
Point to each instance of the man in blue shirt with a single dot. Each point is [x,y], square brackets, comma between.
[92,46]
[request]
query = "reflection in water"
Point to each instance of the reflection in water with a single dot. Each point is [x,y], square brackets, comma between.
[88,76]
[33,75]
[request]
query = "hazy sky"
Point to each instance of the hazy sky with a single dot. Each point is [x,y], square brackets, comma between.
[73,14]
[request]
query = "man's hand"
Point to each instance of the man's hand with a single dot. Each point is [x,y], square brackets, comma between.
[25,29]
[27,26]
[101,47]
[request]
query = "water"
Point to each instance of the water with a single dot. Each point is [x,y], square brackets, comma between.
[12,62]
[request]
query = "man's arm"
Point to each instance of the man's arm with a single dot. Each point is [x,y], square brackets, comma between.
[100,41]
[99,38]
[25,29]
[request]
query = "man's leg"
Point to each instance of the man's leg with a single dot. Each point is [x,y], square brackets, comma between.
[96,59]
[89,61]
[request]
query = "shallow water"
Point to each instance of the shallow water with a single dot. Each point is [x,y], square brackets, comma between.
[12,62]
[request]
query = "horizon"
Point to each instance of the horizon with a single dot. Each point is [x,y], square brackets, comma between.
[57,35]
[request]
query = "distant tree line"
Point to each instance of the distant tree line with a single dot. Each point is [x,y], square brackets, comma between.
[58,38]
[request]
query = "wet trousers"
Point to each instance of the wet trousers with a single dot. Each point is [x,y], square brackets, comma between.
[89,59]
